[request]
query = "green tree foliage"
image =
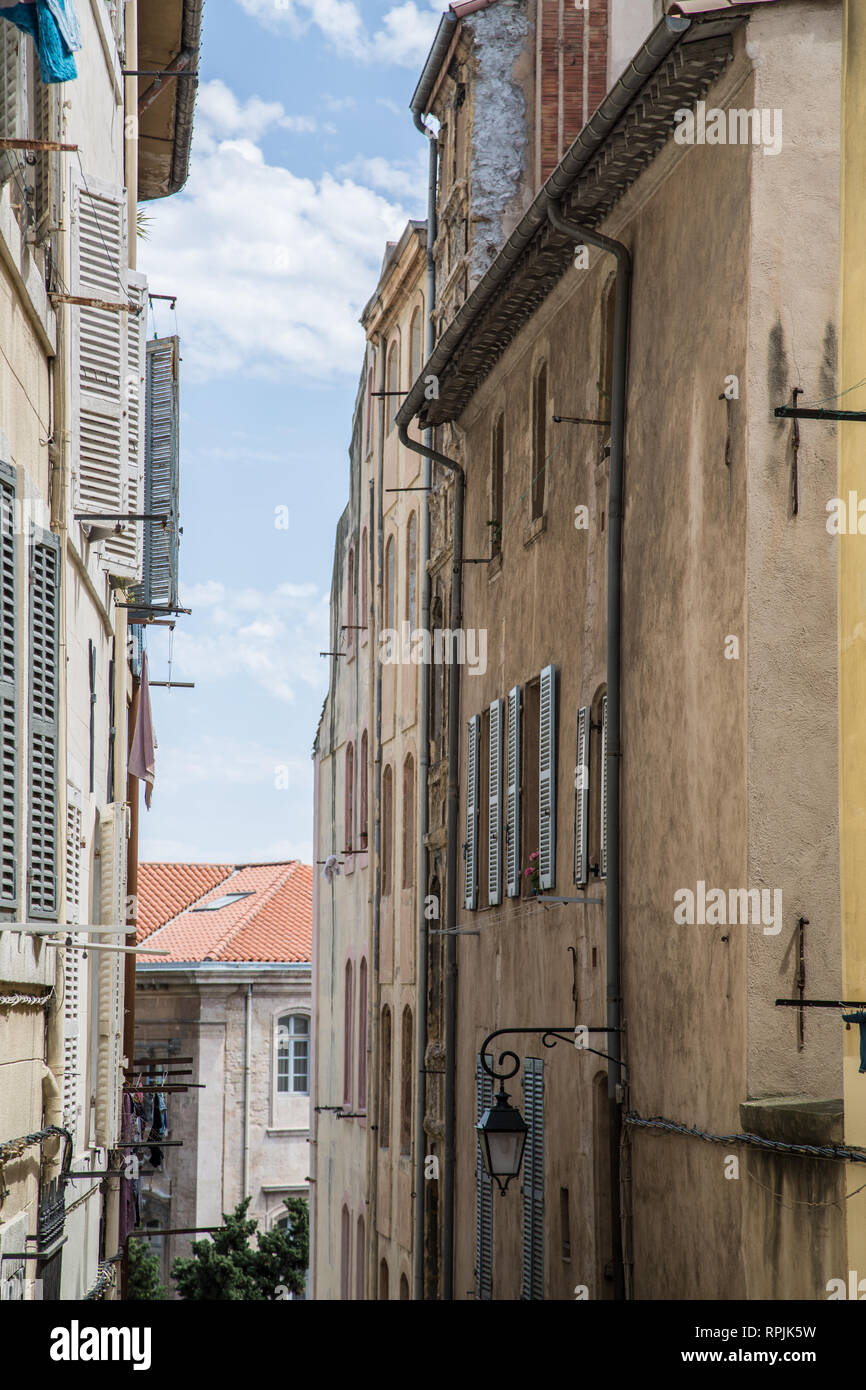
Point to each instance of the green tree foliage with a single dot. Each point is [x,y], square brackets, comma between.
[229,1267]
[143,1273]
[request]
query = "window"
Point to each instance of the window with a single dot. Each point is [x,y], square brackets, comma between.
[383,1279]
[349,807]
[608,335]
[362,808]
[533,1180]
[539,442]
[529,797]
[351,614]
[385,1082]
[406,1084]
[363,607]
[416,340]
[393,386]
[513,819]
[411,569]
[409,823]
[597,829]
[348,1033]
[360,1254]
[581,797]
[368,435]
[345,1254]
[497,468]
[390,585]
[362,1034]
[470,847]
[293,1055]
[404,1288]
[387,830]
[225,900]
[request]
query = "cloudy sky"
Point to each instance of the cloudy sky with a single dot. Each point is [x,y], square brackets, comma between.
[305,162]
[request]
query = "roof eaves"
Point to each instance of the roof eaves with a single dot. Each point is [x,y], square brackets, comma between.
[534,232]
[430,71]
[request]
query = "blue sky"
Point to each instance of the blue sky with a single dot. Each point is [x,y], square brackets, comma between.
[304,162]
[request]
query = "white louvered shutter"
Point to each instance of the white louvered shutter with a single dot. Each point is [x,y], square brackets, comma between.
[74,1046]
[43,749]
[494,816]
[547,778]
[49,176]
[581,798]
[112,845]
[73,855]
[602,818]
[471,848]
[12,97]
[533,1181]
[124,553]
[483,1192]
[158,589]
[100,365]
[512,795]
[8,692]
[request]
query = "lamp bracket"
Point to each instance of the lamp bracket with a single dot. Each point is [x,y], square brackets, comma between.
[550,1036]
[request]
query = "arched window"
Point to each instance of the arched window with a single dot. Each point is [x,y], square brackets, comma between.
[437,684]
[348,1033]
[404,1288]
[416,343]
[293,1055]
[351,615]
[383,1279]
[608,337]
[363,606]
[387,830]
[345,1254]
[393,386]
[539,441]
[385,1081]
[371,378]
[360,1257]
[349,808]
[598,787]
[406,1084]
[390,584]
[362,1034]
[411,569]
[409,822]
[362,806]
[497,470]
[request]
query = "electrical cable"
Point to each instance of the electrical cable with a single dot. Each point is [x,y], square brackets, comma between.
[835,1152]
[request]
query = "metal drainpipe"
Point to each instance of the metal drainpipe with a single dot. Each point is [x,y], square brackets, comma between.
[622,310]
[455,619]
[376,1012]
[422,967]
[248,1018]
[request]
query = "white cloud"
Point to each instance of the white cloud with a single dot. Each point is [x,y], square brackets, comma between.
[401,179]
[220,109]
[404,38]
[272,638]
[272,270]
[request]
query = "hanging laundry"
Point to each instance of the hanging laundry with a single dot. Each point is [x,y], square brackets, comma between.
[859,1018]
[53,26]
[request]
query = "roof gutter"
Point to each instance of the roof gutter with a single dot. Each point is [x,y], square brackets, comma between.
[427,81]
[664,38]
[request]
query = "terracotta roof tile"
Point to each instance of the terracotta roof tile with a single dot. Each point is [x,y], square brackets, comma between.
[273,922]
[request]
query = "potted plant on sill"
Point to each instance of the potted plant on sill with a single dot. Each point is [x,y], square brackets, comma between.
[533,873]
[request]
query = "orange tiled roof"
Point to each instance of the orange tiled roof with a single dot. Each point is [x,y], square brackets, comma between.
[273,923]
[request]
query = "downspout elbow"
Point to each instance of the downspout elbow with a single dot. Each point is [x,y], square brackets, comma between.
[427,451]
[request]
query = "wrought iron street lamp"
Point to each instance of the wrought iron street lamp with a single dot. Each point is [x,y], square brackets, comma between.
[502,1133]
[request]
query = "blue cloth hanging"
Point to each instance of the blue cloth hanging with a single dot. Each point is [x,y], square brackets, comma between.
[861,1019]
[53,26]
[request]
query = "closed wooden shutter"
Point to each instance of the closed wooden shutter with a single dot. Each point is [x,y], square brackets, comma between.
[100,366]
[13,104]
[581,798]
[159,587]
[602,817]
[49,175]
[494,804]
[483,1192]
[74,982]
[470,851]
[112,845]
[43,749]
[73,855]
[547,778]
[533,1180]
[8,692]
[512,795]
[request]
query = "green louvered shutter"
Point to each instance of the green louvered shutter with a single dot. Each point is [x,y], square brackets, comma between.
[8,693]
[43,725]
[158,589]
[512,794]
[483,1192]
[533,1180]
[494,805]
[547,778]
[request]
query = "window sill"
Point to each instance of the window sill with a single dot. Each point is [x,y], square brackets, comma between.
[535,529]
[275,1133]
[494,566]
